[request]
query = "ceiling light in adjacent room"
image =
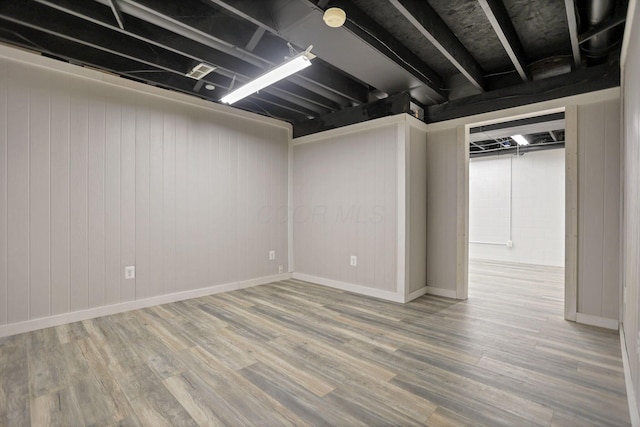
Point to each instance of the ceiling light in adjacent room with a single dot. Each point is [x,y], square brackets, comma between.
[287,68]
[334,17]
[209,87]
[520,140]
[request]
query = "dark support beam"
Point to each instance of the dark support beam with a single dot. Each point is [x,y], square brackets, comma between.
[117,13]
[503,27]
[433,28]
[584,80]
[572,22]
[395,104]
[610,23]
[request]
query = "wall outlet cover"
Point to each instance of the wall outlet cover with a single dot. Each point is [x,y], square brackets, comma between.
[354,261]
[130,272]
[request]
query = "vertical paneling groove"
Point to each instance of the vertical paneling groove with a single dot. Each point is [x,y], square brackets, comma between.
[113,173]
[4,241]
[17,197]
[39,196]
[59,163]
[142,201]
[78,152]
[96,197]
[127,199]
[169,204]
[156,203]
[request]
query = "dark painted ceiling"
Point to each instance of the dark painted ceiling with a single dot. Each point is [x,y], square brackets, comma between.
[437,59]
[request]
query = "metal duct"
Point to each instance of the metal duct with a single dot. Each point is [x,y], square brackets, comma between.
[597,11]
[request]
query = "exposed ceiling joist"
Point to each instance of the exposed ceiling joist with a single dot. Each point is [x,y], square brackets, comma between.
[158,18]
[255,39]
[610,23]
[572,22]
[584,80]
[502,25]
[358,23]
[395,104]
[132,49]
[165,39]
[253,11]
[116,13]
[422,16]
[373,34]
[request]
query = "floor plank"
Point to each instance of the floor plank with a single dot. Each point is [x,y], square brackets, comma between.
[294,353]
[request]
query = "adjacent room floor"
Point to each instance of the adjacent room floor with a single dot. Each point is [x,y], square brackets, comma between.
[292,353]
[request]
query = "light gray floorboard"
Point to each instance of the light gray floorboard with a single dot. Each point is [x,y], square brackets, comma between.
[294,353]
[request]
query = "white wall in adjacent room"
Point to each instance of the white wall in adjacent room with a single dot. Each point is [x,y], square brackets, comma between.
[518,198]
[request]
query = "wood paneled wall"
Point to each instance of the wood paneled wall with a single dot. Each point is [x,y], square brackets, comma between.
[345,198]
[95,177]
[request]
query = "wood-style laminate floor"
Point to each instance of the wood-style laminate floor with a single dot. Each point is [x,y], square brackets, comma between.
[292,353]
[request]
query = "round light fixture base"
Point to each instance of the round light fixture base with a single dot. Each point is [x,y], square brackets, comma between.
[334,17]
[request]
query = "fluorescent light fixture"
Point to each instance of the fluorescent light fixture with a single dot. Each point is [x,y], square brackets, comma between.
[520,140]
[287,68]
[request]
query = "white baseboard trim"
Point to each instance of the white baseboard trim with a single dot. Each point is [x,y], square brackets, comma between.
[416,294]
[631,396]
[363,290]
[91,313]
[440,292]
[603,322]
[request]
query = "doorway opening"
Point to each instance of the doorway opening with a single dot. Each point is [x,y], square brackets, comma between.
[516,211]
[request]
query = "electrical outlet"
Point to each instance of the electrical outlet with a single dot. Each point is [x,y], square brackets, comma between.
[272,255]
[281,269]
[130,272]
[354,261]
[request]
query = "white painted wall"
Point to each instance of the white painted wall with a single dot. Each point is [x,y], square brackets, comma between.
[518,198]
[95,176]
[345,198]
[630,229]
[361,191]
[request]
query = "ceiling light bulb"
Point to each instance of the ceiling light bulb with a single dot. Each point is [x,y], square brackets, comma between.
[334,17]
[209,87]
[521,140]
[287,68]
